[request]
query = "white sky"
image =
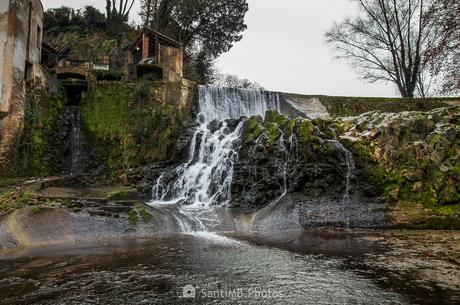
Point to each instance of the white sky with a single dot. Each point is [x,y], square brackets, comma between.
[283,48]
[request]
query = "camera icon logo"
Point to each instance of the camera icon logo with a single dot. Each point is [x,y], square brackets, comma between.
[188,292]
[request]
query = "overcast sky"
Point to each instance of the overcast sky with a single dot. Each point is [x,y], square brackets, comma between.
[283,48]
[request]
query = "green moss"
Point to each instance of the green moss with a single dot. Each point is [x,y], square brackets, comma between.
[449,195]
[434,139]
[275,117]
[305,131]
[38,140]
[253,129]
[362,150]
[8,201]
[7,181]
[146,216]
[272,132]
[449,210]
[133,217]
[128,127]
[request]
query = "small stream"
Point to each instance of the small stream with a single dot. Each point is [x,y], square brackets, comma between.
[77,142]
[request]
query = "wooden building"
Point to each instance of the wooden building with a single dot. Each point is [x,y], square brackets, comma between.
[155,51]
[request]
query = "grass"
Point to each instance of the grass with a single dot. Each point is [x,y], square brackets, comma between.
[12,199]
[8,201]
[27,197]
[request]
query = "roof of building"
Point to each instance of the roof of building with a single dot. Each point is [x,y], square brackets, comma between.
[46,47]
[162,38]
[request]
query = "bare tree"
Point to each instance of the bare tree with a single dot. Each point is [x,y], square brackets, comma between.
[386,42]
[233,81]
[119,10]
[444,53]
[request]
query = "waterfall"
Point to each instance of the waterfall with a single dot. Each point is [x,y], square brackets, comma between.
[286,152]
[291,153]
[217,103]
[347,157]
[205,179]
[76,142]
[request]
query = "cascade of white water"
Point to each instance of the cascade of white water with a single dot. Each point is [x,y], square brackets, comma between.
[205,180]
[290,152]
[76,142]
[230,103]
[347,158]
[282,148]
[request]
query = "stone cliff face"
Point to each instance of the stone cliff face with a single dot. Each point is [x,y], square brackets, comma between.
[413,157]
[126,126]
[375,170]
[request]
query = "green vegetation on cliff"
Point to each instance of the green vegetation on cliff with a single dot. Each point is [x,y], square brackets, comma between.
[36,148]
[412,158]
[127,126]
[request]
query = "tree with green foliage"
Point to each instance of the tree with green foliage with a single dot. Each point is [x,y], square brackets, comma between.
[387,42]
[93,18]
[89,34]
[207,28]
[65,19]
[120,10]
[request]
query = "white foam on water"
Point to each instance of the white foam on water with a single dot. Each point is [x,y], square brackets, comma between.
[214,237]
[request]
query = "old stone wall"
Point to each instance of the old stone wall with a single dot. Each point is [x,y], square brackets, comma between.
[21,27]
[323,106]
[20,41]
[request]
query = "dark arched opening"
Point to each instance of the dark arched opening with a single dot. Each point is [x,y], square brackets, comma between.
[75,90]
[151,72]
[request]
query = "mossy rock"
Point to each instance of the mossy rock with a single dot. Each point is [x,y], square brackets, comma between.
[146,216]
[253,129]
[128,126]
[280,120]
[133,217]
[273,133]
[121,194]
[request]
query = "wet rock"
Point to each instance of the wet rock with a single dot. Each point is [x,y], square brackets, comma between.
[407,158]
